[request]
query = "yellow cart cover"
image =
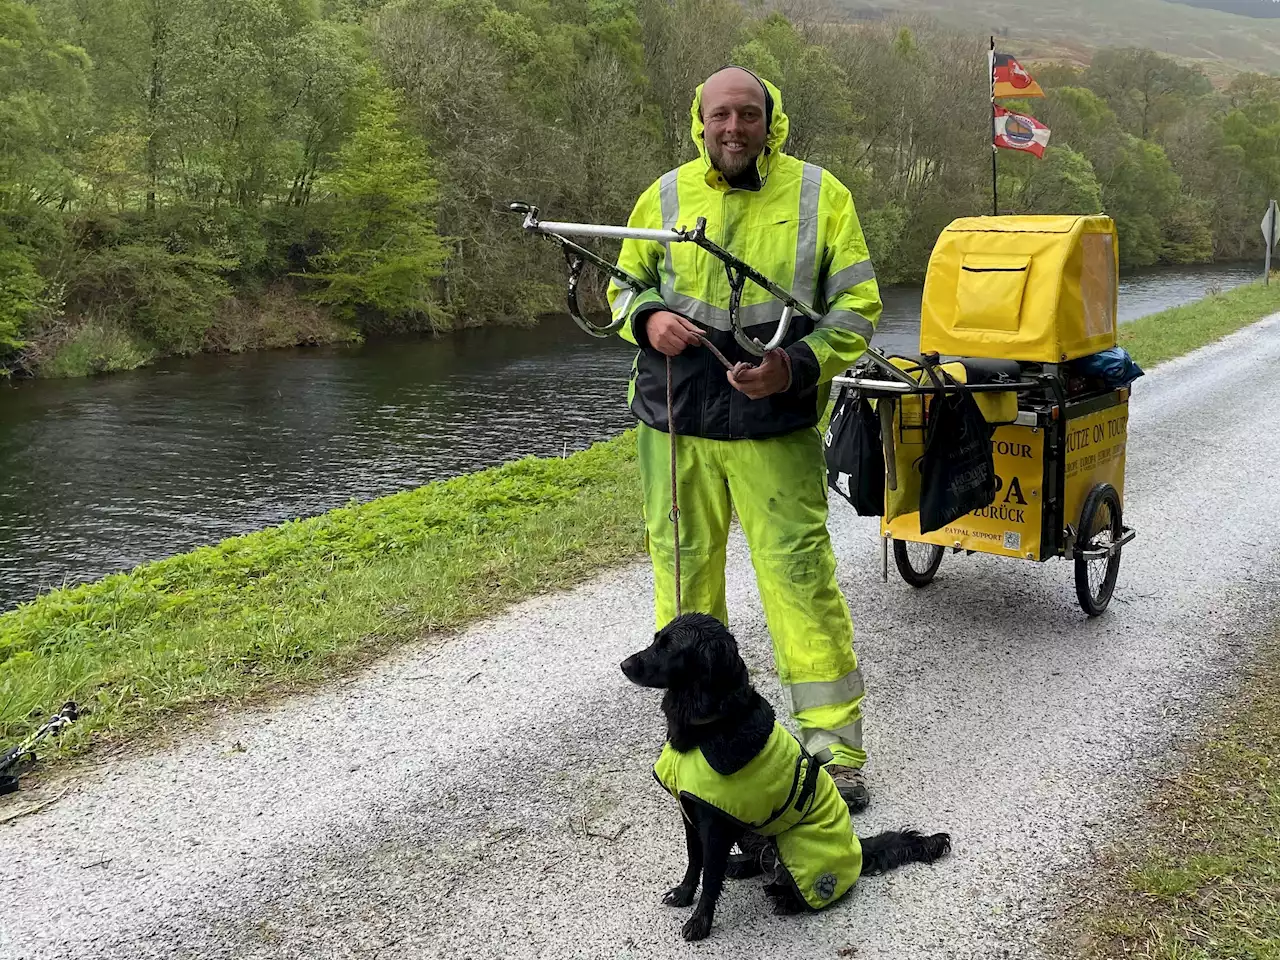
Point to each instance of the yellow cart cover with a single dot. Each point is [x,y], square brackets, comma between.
[1037,288]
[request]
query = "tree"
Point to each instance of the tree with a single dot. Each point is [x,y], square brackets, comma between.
[39,78]
[38,75]
[1147,91]
[1062,182]
[1140,190]
[19,287]
[684,41]
[383,249]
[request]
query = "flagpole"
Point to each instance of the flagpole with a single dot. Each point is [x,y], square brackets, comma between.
[991,76]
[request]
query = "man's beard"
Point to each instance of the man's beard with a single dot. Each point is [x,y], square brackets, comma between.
[729,164]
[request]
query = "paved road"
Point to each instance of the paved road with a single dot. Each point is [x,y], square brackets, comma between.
[465,800]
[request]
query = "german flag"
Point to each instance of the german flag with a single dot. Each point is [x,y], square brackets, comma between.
[1010,79]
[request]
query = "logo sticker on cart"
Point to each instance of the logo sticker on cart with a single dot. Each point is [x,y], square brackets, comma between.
[1012,540]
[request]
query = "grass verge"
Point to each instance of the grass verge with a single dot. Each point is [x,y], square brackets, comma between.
[1171,333]
[1204,883]
[299,602]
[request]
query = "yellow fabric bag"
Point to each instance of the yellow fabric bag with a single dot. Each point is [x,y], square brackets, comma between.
[1037,288]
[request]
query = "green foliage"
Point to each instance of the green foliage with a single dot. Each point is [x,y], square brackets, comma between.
[383,247]
[1146,90]
[19,287]
[169,298]
[1252,130]
[1187,235]
[1141,190]
[810,79]
[1063,182]
[41,81]
[96,347]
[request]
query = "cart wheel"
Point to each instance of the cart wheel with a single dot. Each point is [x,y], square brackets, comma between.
[1100,526]
[917,562]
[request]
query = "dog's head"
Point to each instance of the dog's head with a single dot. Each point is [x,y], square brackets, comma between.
[692,651]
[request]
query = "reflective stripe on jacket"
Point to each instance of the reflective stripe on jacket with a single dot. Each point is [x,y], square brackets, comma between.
[799,228]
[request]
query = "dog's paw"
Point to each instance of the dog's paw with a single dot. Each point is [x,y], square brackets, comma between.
[786,906]
[680,896]
[696,927]
[741,867]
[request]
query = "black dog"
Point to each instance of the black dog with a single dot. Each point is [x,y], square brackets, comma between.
[720,724]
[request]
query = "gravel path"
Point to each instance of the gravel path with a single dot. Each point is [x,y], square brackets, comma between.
[491,797]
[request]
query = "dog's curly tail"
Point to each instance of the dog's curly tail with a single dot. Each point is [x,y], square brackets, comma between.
[894,848]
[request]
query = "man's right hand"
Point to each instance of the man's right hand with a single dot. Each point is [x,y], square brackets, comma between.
[669,333]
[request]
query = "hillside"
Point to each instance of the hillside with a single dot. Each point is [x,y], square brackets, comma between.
[1248,8]
[1222,43]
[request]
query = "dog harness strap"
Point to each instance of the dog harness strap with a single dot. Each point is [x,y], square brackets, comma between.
[795,782]
[810,783]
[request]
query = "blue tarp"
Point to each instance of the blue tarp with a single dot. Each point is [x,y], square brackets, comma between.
[1114,367]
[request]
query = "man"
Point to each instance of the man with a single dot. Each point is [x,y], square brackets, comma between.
[748,438]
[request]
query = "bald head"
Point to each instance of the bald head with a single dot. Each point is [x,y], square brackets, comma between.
[733,114]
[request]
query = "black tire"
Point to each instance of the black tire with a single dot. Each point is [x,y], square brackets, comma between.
[1101,524]
[918,570]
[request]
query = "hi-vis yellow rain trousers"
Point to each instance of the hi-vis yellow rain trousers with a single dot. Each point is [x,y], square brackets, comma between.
[795,223]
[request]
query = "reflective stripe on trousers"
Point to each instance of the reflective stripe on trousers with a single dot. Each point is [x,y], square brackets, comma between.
[821,706]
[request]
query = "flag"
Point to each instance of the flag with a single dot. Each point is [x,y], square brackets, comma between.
[1017,131]
[1010,79]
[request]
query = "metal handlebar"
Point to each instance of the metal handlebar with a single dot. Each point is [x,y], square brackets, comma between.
[738,273]
[577,257]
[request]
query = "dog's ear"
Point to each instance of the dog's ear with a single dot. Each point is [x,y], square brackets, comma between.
[722,663]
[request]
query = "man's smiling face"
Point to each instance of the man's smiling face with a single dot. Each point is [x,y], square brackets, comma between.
[733,117]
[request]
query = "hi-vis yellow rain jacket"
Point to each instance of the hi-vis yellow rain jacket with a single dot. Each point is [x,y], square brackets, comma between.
[797,225]
[781,793]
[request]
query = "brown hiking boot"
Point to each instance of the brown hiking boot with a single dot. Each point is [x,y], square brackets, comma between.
[852,787]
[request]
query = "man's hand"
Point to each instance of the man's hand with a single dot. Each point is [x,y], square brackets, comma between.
[669,333]
[773,375]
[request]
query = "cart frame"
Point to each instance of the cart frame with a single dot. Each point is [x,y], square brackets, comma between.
[1070,500]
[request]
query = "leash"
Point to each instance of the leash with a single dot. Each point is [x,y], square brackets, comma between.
[671,432]
[68,715]
[675,500]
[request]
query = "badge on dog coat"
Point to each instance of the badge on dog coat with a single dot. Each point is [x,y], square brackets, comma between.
[781,793]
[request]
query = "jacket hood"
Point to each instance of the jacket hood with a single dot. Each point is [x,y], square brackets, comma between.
[779,125]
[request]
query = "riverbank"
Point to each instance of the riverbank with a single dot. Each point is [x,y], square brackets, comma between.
[291,605]
[278,317]
[274,318]
[1200,874]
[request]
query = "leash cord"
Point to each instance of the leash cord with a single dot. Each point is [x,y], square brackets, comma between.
[675,502]
[671,432]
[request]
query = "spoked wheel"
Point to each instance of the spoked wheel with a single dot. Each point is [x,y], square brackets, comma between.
[1098,549]
[917,562]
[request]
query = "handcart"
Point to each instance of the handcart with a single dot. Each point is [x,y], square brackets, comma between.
[1009,303]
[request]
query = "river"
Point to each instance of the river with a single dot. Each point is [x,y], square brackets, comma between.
[105,473]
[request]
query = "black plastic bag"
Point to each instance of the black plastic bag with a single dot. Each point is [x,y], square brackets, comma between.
[957,470]
[855,456]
